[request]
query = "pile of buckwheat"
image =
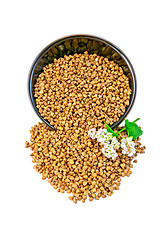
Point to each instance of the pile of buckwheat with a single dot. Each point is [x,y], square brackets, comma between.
[76,164]
[77,93]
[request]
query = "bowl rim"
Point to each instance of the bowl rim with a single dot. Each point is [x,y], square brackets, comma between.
[96,38]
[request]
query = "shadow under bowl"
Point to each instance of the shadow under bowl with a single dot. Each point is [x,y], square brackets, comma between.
[79,44]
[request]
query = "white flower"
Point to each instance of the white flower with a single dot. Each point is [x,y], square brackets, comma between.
[92,133]
[110,143]
[109,151]
[128,146]
[109,136]
[104,150]
[108,140]
[101,140]
[100,133]
[115,143]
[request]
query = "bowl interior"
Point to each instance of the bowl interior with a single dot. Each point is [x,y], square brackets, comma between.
[80,44]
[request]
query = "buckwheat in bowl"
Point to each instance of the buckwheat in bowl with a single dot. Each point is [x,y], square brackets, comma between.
[85,77]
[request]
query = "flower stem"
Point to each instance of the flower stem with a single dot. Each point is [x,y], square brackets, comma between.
[136,120]
[121,130]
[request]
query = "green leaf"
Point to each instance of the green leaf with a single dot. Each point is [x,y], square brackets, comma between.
[132,129]
[110,130]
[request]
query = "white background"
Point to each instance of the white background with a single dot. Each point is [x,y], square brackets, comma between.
[29,207]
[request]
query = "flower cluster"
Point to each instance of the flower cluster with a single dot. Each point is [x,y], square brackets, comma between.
[128,146]
[110,143]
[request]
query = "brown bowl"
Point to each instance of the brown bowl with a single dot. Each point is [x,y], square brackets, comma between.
[79,44]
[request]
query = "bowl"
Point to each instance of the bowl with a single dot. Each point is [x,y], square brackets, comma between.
[79,44]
